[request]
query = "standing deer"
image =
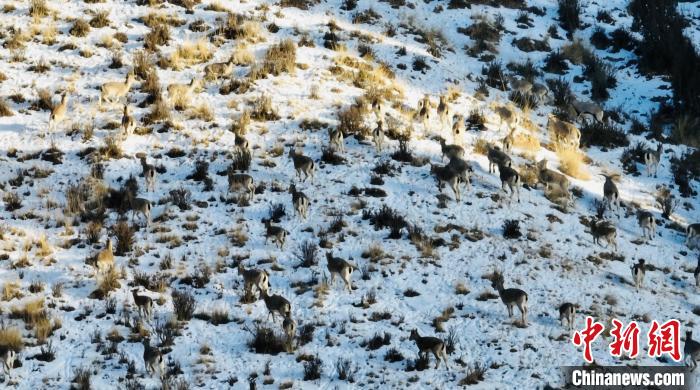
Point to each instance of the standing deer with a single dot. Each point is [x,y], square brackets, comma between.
[143,303]
[128,123]
[638,271]
[567,312]
[378,136]
[253,278]
[603,230]
[511,297]
[302,164]
[116,89]
[342,268]
[58,112]
[647,223]
[276,304]
[652,159]
[427,344]
[152,358]
[611,194]
[149,174]
[299,200]
[691,350]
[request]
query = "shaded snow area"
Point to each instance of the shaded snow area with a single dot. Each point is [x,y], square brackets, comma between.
[65,194]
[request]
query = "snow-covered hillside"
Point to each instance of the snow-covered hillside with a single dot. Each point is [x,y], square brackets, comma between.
[297,73]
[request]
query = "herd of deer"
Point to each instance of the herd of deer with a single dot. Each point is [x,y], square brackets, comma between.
[456,173]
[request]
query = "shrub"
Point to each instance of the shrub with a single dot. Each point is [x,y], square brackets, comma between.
[182,198]
[312,369]
[561,93]
[81,379]
[344,368]
[351,121]
[5,108]
[184,305]
[125,238]
[38,8]
[101,19]
[631,156]
[569,11]
[601,75]
[393,355]
[266,341]
[280,58]
[571,163]
[158,36]
[475,374]
[604,135]
[495,78]
[555,62]
[307,254]
[511,229]
[11,338]
[386,217]
[377,341]
[263,110]
[12,201]
[80,28]
[329,156]
[241,160]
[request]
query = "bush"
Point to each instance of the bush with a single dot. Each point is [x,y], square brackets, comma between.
[158,36]
[601,75]
[5,108]
[561,93]
[631,156]
[125,238]
[377,341]
[329,156]
[393,355]
[511,229]
[276,212]
[280,58]
[602,134]
[11,338]
[555,63]
[301,4]
[312,369]
[81,379]
[101,19]
[475,374]
[241,160]
[386,217]
[184,305]
[182,198]
[344,368]
[80,28]
[495,78]
[12,201]
[685,169]
[307,254]
[351,121]
[569,11]
[266,341]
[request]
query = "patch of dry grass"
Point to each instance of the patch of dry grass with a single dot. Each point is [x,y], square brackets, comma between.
[191,53]
[571,162]
[31,313]
[527,142]
[11,290]
[11,338]
[242,56]
[202,112]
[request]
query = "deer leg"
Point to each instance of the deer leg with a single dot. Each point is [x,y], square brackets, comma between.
[437,359]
